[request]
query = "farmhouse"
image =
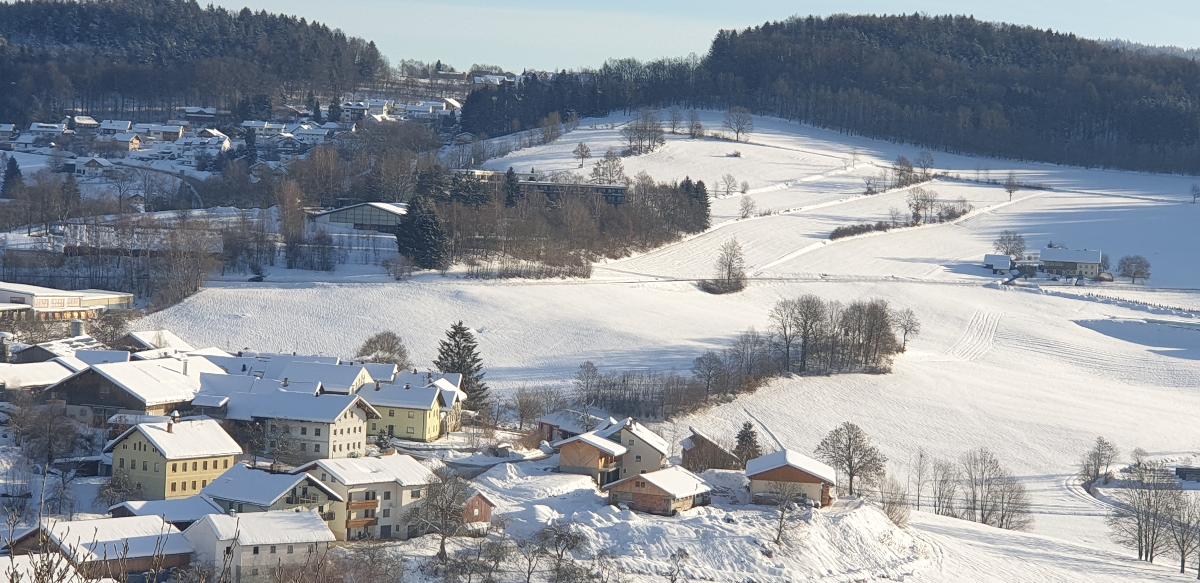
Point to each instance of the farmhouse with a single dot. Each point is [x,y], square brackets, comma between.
[646,450]
[144,387]
[254,547]
[172,459]
[1071,262]
[246,489]
[109,547]
[701,452]
[115,126]
[419,413]
[667,491]
[377,492]
[792,472]
[93,167]
[367,216]
[590,455]
[61,348]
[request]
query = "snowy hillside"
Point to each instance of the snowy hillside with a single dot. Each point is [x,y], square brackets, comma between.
[1032,374]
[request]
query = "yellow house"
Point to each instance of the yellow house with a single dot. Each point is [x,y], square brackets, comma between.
[172,459]
[408,412]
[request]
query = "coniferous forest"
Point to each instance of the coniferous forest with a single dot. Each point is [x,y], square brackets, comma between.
[139,55]
[953,83]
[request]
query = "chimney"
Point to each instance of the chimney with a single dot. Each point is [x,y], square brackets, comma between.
[376,385]
[407,386]
[171,421]
[243,367]
[285,381]
[77,328]
[185,367]
[428,376]
[414,371]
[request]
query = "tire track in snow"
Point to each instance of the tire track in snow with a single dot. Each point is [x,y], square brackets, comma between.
[1148,368]
[978,338]
[766,429]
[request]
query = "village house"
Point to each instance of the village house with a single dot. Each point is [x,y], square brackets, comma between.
[143,387]
[477,510]
[263,129]
[300,427]
[48,129]
[1071,262]
[178,512]
[701,452]
[418,413]
[124,142]
[997,263]
[109,548]
[266,364]
[85,123]
[172,459]
[7,131]
[32,376]
[590,455]
[55,349]
[367,216]
[249,548]
[645,452]
[199,115]
[567,423]
[668,491]
[246,489]
[334,378]
[159,132]
[152,339]
[92,167]
[115,126]
[378,492]
[790,473]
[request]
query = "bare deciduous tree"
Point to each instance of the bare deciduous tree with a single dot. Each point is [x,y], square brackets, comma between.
[1009,243]
[739,121]
[1140,517]
[1011,186]
[1097,461]
[909,325]
[747,207]
[849,450]
[442,511]
[582,152]
[893,500]
[385,347]
[1134,267]
[730,270]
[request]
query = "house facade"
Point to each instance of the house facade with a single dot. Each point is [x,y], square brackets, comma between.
[668,491]
[790,472]
[253,548]
[701,452]
[172,459]
[377,494]
[590,455]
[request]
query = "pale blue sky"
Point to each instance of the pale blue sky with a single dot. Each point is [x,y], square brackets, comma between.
[555,34]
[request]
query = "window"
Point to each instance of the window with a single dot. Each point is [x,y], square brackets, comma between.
[387,494]
[412,414]
[391,412]
[203,483]
[475,511]
[303,431]
[637,458]
[272,549]
[409,430]
[193,484]
[156,467]
[290,549]
[145,465]
[316,448]
[387,512]
[256,550]
[205,467]
[317,431]
[416,494]
[172,486]
[227,463]
[174,467]
[303,446]
[121,463]
[194,465]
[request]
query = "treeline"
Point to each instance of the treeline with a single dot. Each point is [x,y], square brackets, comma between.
[950,82]
[454,217]
[131,55]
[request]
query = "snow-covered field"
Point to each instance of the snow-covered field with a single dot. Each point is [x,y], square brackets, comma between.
[1032,375]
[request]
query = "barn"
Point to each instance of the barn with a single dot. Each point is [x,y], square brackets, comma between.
[667,491]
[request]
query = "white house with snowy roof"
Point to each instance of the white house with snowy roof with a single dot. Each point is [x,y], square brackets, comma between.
[646,451]
[256,489]
[179,512]
[300,427]
[378,492]
[1071,262]
[147,387]
[173,458]
[109,547]
[253,547]
[668,491]
[787,472]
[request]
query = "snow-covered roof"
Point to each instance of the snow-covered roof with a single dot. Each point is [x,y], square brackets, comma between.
[278,527]
[402,469]
[335,378]
[188,509]
[590,438]
[125,137]
[401,396]
[186,439]
[131,537]
[793,459]
[675,480]
[997,261]
[421,379]
[573,421]
[1071,255]
[259,487]
[33,375]
[30,567]
[149,339]
[380,371]
[94,357]
[639,431]
[134,419]
[395,209]
[291,406]
[69,346]
[118,125]
[232,384]
[156,382]
[71,362]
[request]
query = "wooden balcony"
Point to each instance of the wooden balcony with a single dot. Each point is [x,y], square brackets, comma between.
[361,522]
[362,504]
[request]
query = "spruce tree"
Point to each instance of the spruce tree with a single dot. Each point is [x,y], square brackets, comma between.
[700,205]
[251,146]
[335,111]
[12,178]
[459,353]
[747,443]
[512,190]
[316,111]
[420,236]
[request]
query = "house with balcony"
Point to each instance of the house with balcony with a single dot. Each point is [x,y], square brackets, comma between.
[255,489]
[377,493]
[590,455]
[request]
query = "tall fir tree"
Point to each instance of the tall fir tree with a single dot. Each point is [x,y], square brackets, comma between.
[316,111]
[747,447]
[335,111]
[701,205]
[460,353]
[251,146]
[421,237]
[512,190]
[12,178]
